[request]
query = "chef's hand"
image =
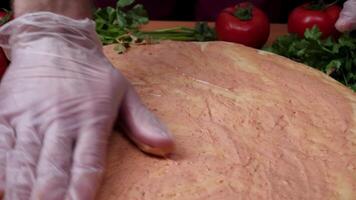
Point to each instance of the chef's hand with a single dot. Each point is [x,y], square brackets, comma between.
[58,102]
[347,19]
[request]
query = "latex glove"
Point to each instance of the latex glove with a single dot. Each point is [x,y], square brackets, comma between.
[58,102]
[347,18]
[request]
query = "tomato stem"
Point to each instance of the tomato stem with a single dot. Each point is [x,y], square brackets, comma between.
[244,13]
[331,4]
[319,5]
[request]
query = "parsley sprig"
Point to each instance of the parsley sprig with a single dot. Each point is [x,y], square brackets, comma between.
[121,25]
[336,58]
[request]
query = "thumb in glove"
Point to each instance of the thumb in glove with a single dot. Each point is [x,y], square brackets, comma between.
[347,18]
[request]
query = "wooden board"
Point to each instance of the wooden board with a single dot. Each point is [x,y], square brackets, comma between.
[247,124]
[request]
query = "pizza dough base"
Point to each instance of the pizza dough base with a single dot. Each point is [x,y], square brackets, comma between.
[248,125]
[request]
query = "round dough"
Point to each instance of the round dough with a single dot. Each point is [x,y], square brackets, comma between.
[248,125]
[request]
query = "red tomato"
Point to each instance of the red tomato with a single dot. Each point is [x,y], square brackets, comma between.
[304,17]
[232,27]
[4,16]
[3,63]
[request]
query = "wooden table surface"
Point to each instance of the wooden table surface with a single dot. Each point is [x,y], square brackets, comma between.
[276,29]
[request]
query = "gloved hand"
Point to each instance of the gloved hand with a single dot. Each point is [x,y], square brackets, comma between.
[58,102]
[347,19]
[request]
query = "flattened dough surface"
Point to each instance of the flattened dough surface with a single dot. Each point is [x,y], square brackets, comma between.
[247,124]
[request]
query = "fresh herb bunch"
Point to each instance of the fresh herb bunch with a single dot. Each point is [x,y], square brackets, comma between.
[336,58]
[111,23]
[121,25]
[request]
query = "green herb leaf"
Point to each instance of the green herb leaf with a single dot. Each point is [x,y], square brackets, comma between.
[336,58]
[120,48]
[112,23]
[313,33]
[203,32]
[124,3]
[333,66]
[122,25]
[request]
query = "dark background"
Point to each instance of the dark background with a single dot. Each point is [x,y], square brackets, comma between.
[5,4]
[207,10]
[203,10]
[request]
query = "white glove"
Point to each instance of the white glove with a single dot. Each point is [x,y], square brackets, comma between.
[347,19]
[59,100]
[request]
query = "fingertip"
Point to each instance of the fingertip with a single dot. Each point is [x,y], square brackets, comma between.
[144,128]
[158,147]
[150,135]
[342,25]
